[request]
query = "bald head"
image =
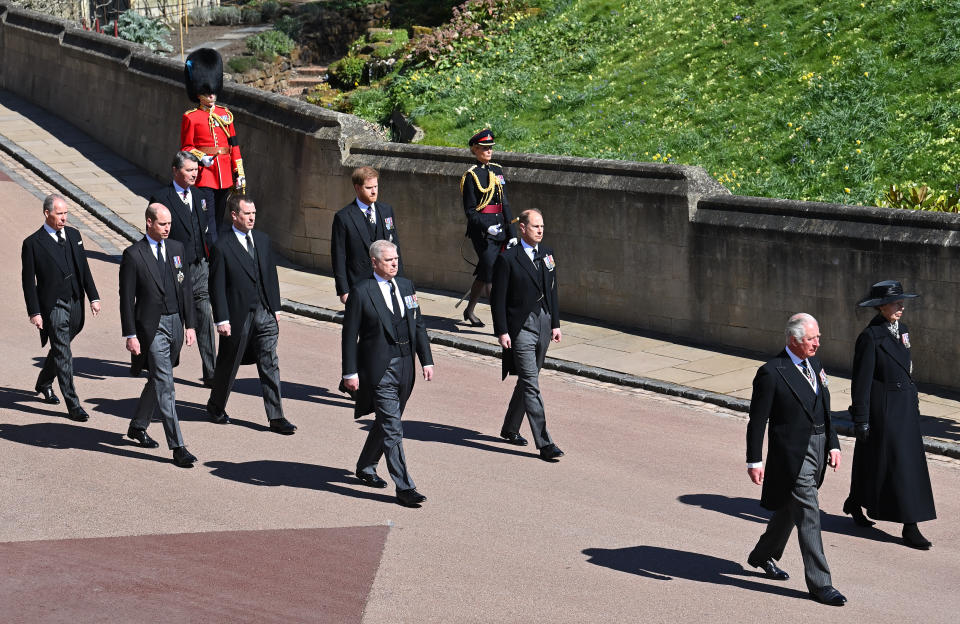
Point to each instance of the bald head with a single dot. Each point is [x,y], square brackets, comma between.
[158,221]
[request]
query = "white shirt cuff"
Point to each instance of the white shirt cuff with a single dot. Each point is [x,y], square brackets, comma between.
[351,376]
[755,464]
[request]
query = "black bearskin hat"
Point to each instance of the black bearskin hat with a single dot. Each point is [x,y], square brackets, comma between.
[203,73]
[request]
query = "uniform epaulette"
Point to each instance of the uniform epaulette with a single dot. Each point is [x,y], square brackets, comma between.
[464,176]
[493,164]
[191,110]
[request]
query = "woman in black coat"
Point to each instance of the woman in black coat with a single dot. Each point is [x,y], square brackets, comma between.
[890,477]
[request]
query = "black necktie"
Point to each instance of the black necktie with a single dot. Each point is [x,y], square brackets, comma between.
[371,216]
[396,301]
[60,237]
[806,371]
[536,258]
[250,246]
[160,255]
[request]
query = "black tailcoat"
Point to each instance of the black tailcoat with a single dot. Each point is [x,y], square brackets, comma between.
[44,269]
[368,335]
[517,289]
[142,294]
[785,399]
[233,283]
[180,228]
[890,476]
[350,243]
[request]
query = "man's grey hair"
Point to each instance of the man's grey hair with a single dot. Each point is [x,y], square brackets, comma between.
[49,199]
[380,246]
[796,326]
[183,157]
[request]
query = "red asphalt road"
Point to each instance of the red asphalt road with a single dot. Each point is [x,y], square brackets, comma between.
[648,518]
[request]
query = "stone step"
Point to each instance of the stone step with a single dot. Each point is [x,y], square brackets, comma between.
[311,70]
[304,82]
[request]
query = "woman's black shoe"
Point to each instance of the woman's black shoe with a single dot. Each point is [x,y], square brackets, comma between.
[914,539]
[852,509]
[473,320]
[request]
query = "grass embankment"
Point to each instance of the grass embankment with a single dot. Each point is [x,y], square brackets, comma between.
[777,98]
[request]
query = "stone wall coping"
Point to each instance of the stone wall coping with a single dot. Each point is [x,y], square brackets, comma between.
[31,20]
[863,215]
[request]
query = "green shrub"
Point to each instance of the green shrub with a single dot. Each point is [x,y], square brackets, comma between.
[290,26]
[347,72]
[143,30]
[371,104]
[919,197]
[241,64]
[251,15]
[225,16]
[270,9]
[199,16]
[267,45]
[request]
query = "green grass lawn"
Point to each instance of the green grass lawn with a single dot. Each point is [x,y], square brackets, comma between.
[778,98]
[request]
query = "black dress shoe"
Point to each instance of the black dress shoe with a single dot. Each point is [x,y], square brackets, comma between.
[141,436]
[829,596]
[218,417]
[410,498]
[78,414]
[207,383]
[913,538]
[373,480]
[182,457]
[48,395]
[282,425]
[472,320]
[513,438]
[769,568]
[852,509]
[550,452]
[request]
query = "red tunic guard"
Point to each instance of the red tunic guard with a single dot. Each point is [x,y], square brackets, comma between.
[210,133]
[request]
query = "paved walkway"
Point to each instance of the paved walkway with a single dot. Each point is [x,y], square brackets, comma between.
[115,191]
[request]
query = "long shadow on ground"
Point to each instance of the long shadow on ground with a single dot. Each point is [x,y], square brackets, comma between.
[460,436]
[666,564]
[67,436]
[750,509]
[298,475]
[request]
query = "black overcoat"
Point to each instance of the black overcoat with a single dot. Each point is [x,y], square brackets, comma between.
[784,398]
[368,335]
[142,294]
[890,477]
[43,270]
[518,288]
[350,242]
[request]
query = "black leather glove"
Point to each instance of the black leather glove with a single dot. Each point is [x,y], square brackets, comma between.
[861,431]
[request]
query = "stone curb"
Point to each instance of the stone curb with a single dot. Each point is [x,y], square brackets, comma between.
[70,190]
[116,223]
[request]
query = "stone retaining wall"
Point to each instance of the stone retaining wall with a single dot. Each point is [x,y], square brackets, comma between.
[660,248]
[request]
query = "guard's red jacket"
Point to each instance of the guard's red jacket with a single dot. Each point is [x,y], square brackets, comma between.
[202,134]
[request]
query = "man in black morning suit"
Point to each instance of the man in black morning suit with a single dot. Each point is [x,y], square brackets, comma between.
[193,226]
[355,227]
[245,292]
[55,276]
[156,304]
[526,317]
[382,330]
[790,392]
